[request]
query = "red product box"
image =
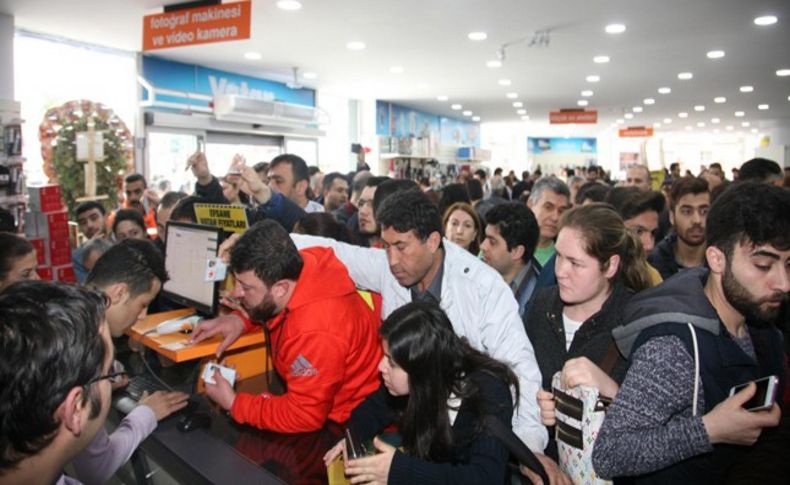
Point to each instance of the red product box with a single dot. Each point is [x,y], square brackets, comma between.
[42,251]
[44,272]
[45,198]
[59,252]
[64,274]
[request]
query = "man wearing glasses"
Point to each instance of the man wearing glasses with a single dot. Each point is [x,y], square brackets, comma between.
[54,378]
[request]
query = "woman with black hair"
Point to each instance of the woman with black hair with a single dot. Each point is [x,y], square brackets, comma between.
[439,391]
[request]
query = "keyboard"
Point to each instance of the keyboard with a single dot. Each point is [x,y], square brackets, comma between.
[134,391]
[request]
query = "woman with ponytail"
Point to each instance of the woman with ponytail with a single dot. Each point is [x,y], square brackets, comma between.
[600,264]
[442,393]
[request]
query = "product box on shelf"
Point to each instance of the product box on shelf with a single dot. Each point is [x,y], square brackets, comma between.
[42,251]
[45,198]
[44,272]
[59,251]
[64,273]
[52,225]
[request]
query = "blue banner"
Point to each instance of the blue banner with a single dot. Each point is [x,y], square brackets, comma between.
[403,122]
[562,145]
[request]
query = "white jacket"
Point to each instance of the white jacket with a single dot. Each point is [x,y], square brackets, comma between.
[480,306]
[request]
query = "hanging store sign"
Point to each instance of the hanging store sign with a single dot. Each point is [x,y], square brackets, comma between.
[636,132]
[201,25]
[573,116]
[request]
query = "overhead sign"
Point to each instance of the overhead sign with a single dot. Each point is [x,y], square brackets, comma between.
[201,25]
[636,132]
[573,116]
[231,218]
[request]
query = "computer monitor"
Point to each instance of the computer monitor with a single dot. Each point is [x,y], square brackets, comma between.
[188,249]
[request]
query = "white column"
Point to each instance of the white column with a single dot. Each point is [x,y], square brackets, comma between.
[6,57]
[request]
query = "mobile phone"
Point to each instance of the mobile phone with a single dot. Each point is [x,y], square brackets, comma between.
[763,397]
[354,447]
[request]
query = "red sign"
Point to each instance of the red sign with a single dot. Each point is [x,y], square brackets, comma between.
[573,116]
[201,25]
[636,132]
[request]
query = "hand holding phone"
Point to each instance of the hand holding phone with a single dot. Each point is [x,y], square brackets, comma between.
[764,396]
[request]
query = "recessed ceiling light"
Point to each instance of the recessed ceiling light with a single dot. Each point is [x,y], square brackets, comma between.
[699,107]
[504,82]
[518,104]
[475,118]
[668,121]
[745,124]
[525,118]
[493,64]
[715,54]
[601,59]
[746,89]
[754,130]
[477,36]
[664,90]
[442,97]
[582,102]
[715,121]
[587,93]
[688,128]
[615,29]
[636,109]
[783,72]
[701,124]
[355,45]
[456,107]
[649,101]
[290,5]
[253,56]
[396,69]
[620,121]
[521,111]
[593,78]
[762,107]
[511,95]
[685,76]
[310,75]
[467,113]
[683,114]
[730,127]
[628,116]
[657,125]
[719,99]
[765,20]
[739,114]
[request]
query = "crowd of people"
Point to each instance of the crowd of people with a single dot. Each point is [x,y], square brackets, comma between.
[450,312]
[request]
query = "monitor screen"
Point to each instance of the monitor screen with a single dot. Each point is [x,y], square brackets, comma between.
[188,249]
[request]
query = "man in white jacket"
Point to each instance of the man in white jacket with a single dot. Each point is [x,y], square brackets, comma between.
[416,263]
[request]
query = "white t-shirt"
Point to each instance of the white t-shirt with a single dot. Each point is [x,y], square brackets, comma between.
[571,326]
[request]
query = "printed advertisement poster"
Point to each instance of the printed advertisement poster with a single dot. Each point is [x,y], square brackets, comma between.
[459,132]
[537,146]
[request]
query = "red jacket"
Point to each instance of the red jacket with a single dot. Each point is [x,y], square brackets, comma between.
[325,344]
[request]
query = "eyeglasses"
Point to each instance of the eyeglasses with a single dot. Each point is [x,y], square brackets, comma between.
[112,377]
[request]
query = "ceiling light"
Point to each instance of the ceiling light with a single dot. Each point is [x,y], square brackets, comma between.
[628,116]
[664,90]
[701,124]
[719,99]
[290,5]
[685,76]
[615,29]
[511,95]
[587,93]
[456,107]
[493,64]
[715,121]
[667,121]
[582,102]
[525,118]
[730,127]
[504,82]
[762,107]
[522,111]
[355,45]
[442,97]
[636,109]
[688,128]
[601,59]
[475,118]
[739,114]
[765,20]
[518,104]
[649,101]
[620,121]
[477,36]
[683,114]
[699,107]
[745,124]
[253,56]
[593,78]
[715,54]
[746,89]
[310,75]
[396,69]
[467,113]
[657,125]
[783,72]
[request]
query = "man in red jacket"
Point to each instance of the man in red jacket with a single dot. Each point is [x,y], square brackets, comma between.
[323,336]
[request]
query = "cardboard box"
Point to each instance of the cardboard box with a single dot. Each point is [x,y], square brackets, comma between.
[64,274]
[44,272]
[59,251]
[45,198]
[51,225]
[42,251]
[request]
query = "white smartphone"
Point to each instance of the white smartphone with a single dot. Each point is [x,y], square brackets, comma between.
[765,395]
